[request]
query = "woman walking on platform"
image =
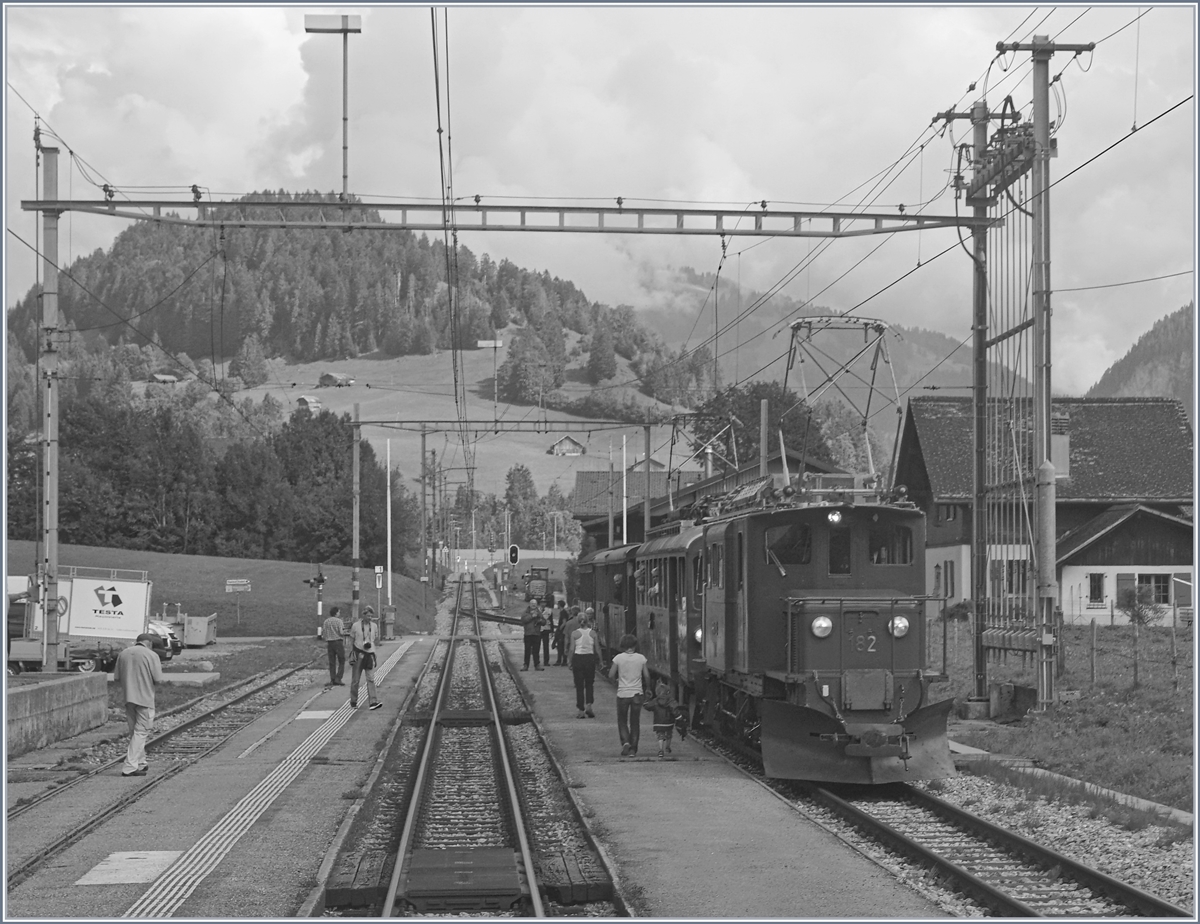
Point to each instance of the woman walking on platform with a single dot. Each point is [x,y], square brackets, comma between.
[582,657]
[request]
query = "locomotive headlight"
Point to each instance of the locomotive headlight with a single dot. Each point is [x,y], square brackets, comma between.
[835,516]
[822,626]
[699,636]
[898,626]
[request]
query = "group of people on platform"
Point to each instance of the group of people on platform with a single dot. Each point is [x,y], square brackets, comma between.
[574,638]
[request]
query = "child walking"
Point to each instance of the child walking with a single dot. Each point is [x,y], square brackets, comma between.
[666,712]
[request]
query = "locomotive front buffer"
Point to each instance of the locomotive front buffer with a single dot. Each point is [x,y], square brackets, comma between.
[854,708]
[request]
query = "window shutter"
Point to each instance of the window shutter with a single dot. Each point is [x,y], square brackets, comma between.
[1182,594]
[1125,582]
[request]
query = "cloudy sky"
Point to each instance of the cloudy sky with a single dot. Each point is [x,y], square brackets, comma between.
[801,106]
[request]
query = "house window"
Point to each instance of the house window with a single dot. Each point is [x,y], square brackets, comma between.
[947,513]
[948,572]
[1159,584]
[1095,590]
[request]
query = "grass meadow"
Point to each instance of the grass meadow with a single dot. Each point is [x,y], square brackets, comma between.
[279,604]
[1136,739]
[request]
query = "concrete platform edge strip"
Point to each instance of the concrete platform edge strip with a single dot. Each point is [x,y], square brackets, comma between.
[170,891]
[1178,815]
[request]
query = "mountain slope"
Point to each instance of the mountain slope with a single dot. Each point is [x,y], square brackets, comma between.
[1159,365]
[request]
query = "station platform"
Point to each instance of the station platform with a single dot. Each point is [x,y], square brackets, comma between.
[691,836]
[250,831]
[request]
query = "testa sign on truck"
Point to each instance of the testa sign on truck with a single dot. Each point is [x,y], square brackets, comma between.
[99,613]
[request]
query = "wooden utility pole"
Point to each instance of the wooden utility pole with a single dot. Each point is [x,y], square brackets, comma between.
[425,571]
[48,566]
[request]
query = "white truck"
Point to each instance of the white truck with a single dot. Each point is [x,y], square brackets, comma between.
[100,611]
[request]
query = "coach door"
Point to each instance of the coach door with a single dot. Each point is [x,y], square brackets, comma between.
[742,605]
[714,598]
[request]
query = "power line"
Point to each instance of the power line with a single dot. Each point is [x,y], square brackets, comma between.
[1131,282]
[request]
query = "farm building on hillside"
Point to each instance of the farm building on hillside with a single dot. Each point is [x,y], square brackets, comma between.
[308,401]
[161,378]
[335,380]
[1123,501]
[567,446]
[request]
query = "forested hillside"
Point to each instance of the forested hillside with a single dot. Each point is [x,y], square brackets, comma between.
[1160,365]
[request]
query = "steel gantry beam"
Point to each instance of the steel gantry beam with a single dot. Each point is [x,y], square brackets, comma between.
[507,426]
[757,221]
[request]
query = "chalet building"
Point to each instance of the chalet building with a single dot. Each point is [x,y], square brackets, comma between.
[669,496]
[639,465]
[1123,488]
[162,378]
[308,401]
[567,446]
[335,380]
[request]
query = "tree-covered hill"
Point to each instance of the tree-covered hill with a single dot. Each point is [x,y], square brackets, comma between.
[302,294]
[1160,365]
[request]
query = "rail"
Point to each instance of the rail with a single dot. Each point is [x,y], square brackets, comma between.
[419,877]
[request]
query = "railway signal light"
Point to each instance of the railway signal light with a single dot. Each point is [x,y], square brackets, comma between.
[514,554]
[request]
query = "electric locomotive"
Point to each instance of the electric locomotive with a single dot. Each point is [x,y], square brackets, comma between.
[790,616]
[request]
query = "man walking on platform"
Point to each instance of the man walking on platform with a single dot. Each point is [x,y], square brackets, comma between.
[333,631]
[532,621]
[137,671]
[363,639]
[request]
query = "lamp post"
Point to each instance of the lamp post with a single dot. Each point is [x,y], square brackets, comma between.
[326,23]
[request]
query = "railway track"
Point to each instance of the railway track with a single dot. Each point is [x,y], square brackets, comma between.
[465,846]
[1002,872]
[174,749]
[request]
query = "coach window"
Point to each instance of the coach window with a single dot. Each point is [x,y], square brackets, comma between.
[789,545]
[839,550]
[698,579]
[890,545]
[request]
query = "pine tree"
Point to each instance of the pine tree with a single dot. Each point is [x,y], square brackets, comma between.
[602,360]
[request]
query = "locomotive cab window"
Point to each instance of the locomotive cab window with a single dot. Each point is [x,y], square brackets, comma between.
[789,545]
[890,545]
[839,550]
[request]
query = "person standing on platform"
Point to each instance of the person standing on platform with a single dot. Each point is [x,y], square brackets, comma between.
[364,637]
[333,631]
[548,624]
[561,636]
[583,656]
[633,679]
[532,623]
[568,629]
[137,671]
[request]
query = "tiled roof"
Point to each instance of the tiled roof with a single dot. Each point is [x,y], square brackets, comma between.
[1134,449]
[1081,537]
[591,489]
